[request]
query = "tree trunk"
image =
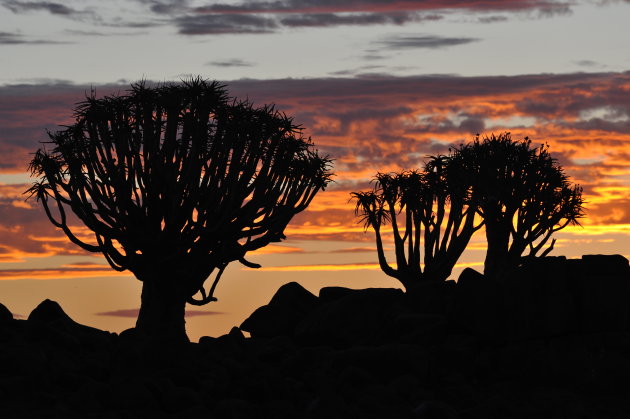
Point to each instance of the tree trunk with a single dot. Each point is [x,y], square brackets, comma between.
[497,258]
[162,311]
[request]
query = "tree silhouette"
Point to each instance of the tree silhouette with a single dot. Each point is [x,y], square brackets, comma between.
[435,206]
[524,197]
[177,181]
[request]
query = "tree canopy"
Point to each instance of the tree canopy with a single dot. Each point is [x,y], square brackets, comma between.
[432,217]
[524,197]
[176,181]
[519,193]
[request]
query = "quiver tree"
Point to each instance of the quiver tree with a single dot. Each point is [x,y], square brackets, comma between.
[176,181]
[432,218]
[524,196]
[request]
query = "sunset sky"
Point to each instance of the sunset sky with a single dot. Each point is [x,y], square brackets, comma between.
[377,84]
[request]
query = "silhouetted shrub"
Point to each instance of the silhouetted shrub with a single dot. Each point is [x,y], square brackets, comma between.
[431,212]
[177,181]
[523,195]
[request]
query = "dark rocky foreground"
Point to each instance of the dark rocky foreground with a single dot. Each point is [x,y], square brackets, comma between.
[552,341]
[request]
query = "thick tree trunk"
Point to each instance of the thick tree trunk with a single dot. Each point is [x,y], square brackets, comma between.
[497,258]
[162,312]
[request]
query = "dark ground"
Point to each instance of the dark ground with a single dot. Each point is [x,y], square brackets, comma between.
[552,341]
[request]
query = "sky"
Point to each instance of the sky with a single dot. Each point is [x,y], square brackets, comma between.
[378,85]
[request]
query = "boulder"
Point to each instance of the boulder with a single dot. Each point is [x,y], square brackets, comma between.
[431,297]
[293,296]
[469,276]
[48,312]
[267,322]
[5,314]
[478,306]
[603,265]
[602,287]
[49,319]
[329,294]
[420,328]
[540,301]
[435,409]
[358,317]
[287,307]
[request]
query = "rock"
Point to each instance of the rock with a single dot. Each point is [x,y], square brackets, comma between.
[610,372]
[432,297]
[359,317]
[540,300]
[547,267]
[5,314]
[478,305]
[605,265]
[290,304]
[276,349]
[179,399]
[267,322]
[132,393]
[49,311]
[604,303]
[435,410]
[234,409]
[293,295]
[329,294]
[236,334]
[384,362]
[49,319]
[469,276]
[602,287]
[417,327]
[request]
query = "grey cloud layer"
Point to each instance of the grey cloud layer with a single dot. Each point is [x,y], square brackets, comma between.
[54,8]
[205,24]
[381,5]
[8,38]
[423,41]
[223,24]
[266,17]
[230,63]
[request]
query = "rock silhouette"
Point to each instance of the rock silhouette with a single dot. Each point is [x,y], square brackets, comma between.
[5,314]
[553,340]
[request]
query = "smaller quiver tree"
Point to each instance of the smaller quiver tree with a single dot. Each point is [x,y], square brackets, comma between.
[432,218]
[524,197]
[176,182]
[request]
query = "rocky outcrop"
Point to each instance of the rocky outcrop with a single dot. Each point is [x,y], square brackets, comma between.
[287,308]
[5,314]
[552,296]
[547,297]
[551,340]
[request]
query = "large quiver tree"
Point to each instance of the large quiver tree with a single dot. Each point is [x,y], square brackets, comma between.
[524,197]
[176,181]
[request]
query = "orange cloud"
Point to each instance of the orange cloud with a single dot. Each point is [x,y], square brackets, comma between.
[278,249]
[73,271]
[370,124]
[341,267]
